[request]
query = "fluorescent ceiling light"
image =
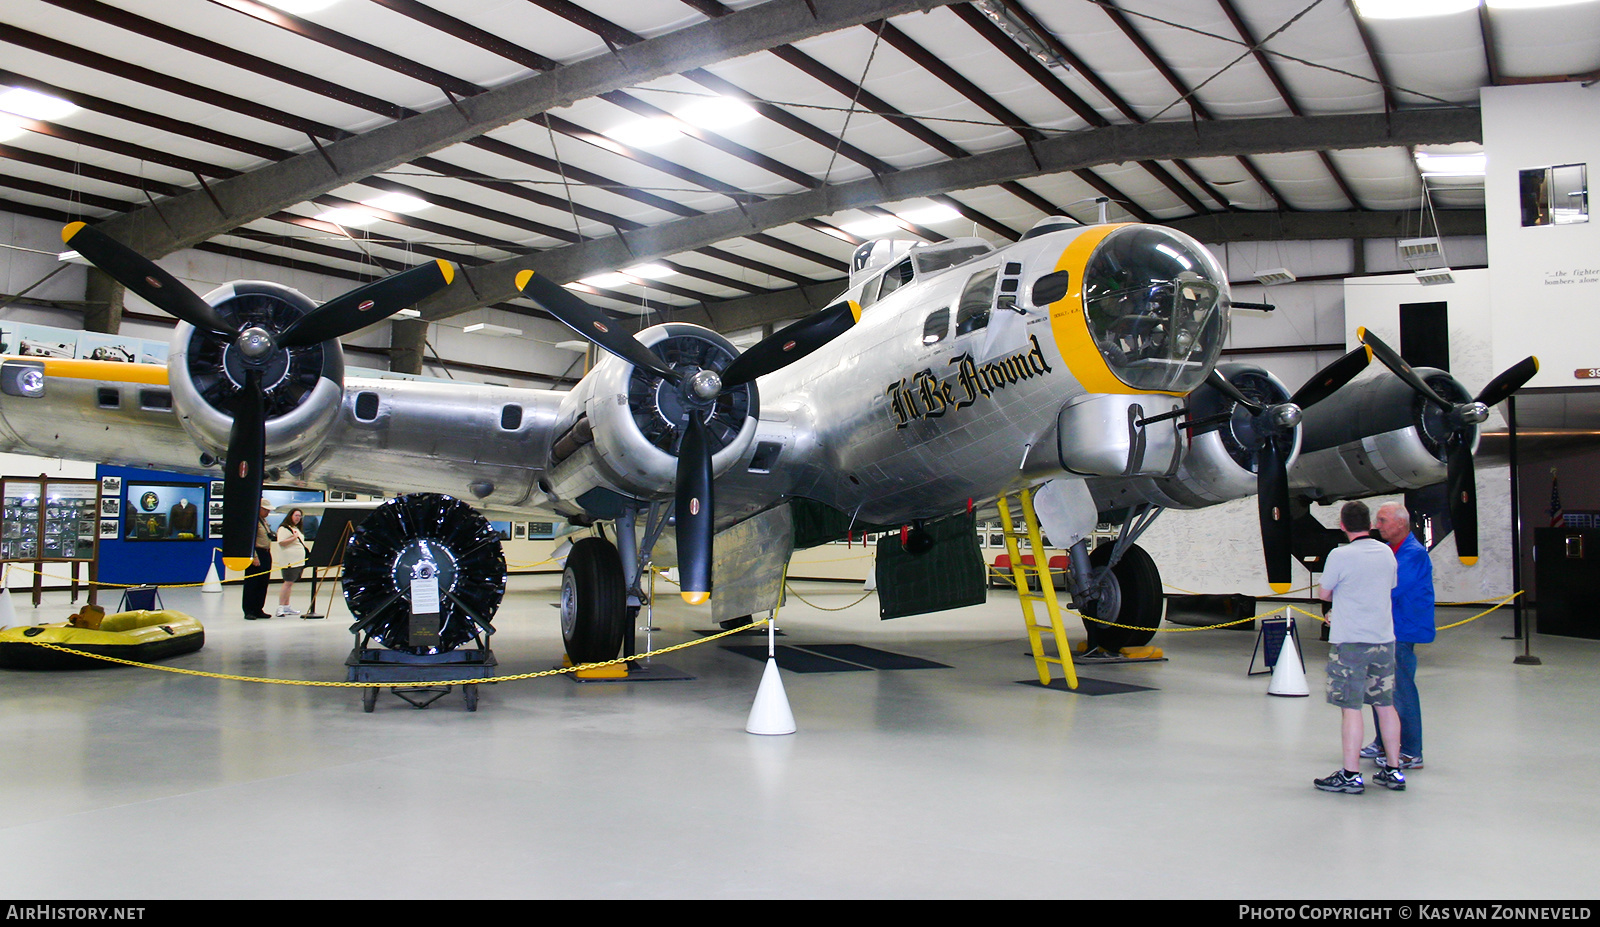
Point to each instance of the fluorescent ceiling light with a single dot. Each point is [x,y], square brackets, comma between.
[485,328]
[612,279]
[349,218]
[1530,4]
[645,133]
[649,271]
[396,202]
[408,314]
[73,257]
[1414,248]
[1435,276]
[1453,163]
[1275,276]
[938,212]
[299,6]
[1411,9]
[870,228]
[34,105]
[717,113]
[9,129]
[579,346]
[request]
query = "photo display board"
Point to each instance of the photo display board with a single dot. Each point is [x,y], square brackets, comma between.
[49,519]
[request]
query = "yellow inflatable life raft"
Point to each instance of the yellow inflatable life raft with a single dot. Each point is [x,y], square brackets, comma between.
[144,636]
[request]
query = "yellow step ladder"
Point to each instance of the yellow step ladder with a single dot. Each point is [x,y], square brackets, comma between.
[1020,573]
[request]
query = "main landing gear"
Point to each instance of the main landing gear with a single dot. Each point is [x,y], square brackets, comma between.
[1119,585]
[594,602]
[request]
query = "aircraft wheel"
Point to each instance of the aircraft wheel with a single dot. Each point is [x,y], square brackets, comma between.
[594,597]
[1131,596]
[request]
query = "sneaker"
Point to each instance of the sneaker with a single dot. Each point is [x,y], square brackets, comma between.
[1392,779]
[1342,781]
[285,611]
[1372,751]
[1407,761]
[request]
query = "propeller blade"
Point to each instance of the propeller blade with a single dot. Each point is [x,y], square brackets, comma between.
[1401,369]
[241,480]
[368,304]
[1330,378]
[141,275]
[1220,383]
[783,348]
[694,515]
[1463,484]
[591,323]
[1509,381]
[1272,498]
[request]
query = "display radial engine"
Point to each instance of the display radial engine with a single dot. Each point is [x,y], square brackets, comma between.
[1080,361]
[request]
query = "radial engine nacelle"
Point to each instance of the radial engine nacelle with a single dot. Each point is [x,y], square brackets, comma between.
[303,386]
[1377,436]
[1218,463]
[621,428]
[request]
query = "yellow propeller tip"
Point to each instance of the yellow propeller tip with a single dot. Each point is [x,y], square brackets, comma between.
[238,564]
[71,229]
[1279,588]
[1535,364]
[1368,349]
[696,598]
[1468,561]
[855,309]
[447,269]
[523,276]
[1361,333]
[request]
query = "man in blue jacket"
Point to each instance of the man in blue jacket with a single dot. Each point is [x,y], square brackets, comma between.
[1413,624]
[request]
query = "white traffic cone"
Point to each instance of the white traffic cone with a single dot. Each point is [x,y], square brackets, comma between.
[212,583]
[8,613]
[770,714]
[1288,676]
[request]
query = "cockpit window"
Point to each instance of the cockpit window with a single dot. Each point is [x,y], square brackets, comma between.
[895,277]
[936,327]
[976,298]
[1154,301]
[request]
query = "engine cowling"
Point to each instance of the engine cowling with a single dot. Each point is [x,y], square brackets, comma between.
[1376,436]
[1219,465]
[621,427]
[303,386]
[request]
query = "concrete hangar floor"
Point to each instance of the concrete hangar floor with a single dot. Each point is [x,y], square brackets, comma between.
[956,782]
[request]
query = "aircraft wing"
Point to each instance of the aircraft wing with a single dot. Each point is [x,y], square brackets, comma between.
[482,443]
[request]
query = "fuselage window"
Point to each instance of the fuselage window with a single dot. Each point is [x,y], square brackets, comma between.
[976,298]
[937,327]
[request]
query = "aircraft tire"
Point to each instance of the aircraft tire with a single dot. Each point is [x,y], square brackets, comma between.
[1138,600]
[594,614]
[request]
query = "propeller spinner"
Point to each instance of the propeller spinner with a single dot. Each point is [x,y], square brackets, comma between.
[258,345]
[694,497]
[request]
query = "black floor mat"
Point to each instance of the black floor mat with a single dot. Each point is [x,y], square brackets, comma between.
[797,661]
[1087,686]
[877,659]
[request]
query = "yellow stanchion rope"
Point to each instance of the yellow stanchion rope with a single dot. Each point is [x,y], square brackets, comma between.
[369,685]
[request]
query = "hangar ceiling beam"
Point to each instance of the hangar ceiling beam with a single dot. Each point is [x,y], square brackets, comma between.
[1078,151]
[194,217]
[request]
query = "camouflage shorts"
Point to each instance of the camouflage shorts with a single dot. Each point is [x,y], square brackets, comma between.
[1360,674]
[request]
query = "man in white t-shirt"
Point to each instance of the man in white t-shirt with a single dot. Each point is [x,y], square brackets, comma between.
[1358,578]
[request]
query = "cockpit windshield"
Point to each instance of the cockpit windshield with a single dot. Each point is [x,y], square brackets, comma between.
[1154,301]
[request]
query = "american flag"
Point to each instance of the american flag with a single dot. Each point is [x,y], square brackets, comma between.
[1557,518]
